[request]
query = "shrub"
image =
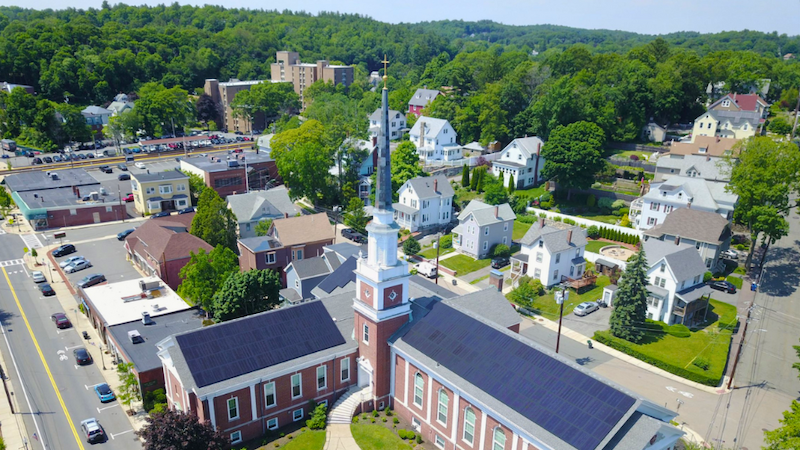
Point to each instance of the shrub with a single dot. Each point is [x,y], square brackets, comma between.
[593,232]
[501,251]
[318,418]
[419,439]
[546,205]
[701,362]
[591,200]
[556,219]
[446,241]
[372,419]
[740,270]
[526,219]
[383,419]
[542,215]
[618,204]
[626,222]
[605,203]
[634,158]
[411,246]
[395,420]
[277,444]
[389,412]
[355,419]
[569,221]
[741,247]
[374,413]
[707,277]
[679,330]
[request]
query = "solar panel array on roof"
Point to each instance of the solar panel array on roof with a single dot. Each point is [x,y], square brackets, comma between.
[339,277]
[235,348]
[570,404]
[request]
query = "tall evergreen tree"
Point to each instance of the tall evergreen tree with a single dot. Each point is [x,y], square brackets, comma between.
[630,307]
[465,177]
[481,179]
[473,182]
[512,186]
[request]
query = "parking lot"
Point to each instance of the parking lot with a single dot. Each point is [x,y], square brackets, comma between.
[107,256]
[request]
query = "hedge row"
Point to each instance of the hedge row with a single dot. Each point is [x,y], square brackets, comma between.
[618,236]
[604,337]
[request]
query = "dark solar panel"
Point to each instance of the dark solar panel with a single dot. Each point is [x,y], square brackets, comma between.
[339,277]
[231,349]
[570,404]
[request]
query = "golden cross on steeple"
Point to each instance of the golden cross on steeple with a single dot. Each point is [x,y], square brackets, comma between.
[385,70]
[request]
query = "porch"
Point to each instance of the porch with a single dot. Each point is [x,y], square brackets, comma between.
[588,278]
[690,307]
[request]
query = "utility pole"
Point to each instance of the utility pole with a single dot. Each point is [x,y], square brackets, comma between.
[119,194]
[794,127]
[438,235]
[741,344]
[561,297]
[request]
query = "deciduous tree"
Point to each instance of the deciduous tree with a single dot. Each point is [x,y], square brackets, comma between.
[214,222]
[171,430]
[207,109]
[245,293]
[205,273]
[573,154]
[411,246]
[630,307]
[128,391]
[262,227]
[355,217]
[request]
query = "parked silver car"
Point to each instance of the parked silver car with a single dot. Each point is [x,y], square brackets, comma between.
[586,308]
[38,277]
[70,260]
[78,265]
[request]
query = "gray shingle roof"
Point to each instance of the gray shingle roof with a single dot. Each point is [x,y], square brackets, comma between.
[267,204]
[693,224]
[695,292]
[95,111]
[433,126]
[554,235]
[638,429]
[423,186]
[376,116]
[703,193]
[683,260]
[310,267]
[484,214]
[423,96]
[404,208]
[159,176]
[488,303]
[707,167]
[736,117]
[528,145]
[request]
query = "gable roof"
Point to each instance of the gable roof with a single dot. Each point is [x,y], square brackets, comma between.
[340,277]
[705,194]
[117,106]
[714,146]
[166,238]
[376,116]
[95,111]
[159,176]
[303,229]
[529,146]
[693,224]
[256,205]
[309,267]
[745,102]
[554,235]
[423,96]
[564,405]
[423,186]
[737,118]
[484,213]
[708,167]
[433,126]
[683,260]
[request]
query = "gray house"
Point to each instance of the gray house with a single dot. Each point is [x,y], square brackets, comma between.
[303,277]
[706,167]
[707,232]
[482,226]
[256,206]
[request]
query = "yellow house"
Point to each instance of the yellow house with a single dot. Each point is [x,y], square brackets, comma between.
[160,191]
[727,124]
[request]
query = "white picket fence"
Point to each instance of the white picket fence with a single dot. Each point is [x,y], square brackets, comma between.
[587,222]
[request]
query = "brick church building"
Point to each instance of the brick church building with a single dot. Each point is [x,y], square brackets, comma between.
[455,368]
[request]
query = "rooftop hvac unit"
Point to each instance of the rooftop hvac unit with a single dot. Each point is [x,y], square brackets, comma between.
[148,285]
[135,337]
[146,320]
[233,163]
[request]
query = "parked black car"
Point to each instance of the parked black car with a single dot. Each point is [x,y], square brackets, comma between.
[91,280]
[123,177]
[724,286]
[499,263]
[48,159]
[65,249]
[82,357]
[161,214]
[106,169]
[47,290]
[186,210]
[121,236]
[36,160]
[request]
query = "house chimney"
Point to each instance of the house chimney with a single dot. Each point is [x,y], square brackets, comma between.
[285,215]
[496,279]
[436,186]
[374,141]
[541,222]
[496,211]
[422,134]
[717,138]
[538,148]
[677,240]
[569,236]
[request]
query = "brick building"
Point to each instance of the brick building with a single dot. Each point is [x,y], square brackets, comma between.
[288,68]
[223,95]
[226,175]
[455,368]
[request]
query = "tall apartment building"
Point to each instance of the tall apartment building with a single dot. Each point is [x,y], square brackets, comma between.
[223,94]
[289,68]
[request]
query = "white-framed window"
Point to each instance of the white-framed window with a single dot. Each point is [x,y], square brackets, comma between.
[485,245]
[558,258]
[555,274]
[236,437]
[541,243]
[505,240]
[233,408]
[165,189]
[415,423]
[486,231]
[655,206]
[298,254]
[726,103]
[151,190]
[499,439]
[537,273]
[345,369]
[505,226]
[297,385]
[272,424]
[441,415]
[270,258]
[297,283]
[247,226]
[438,441]
[419,386]
[180,203]
[538,257]
[109,209]
[469,425]
[269,395]
[297,414]
[322,377]
[651,220]
[181,187]
[365,337]
[697,279]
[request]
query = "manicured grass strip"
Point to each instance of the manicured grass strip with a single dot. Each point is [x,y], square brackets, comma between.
[463,264]
[595,246]
[478,280]
[376,437]
[520,228]
[431,252]
[307,440]
[736,281]
[677,354]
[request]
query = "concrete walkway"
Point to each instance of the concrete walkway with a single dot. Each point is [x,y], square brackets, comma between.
[339,437]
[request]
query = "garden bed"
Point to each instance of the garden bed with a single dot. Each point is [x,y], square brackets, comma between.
[380,432]
[708,345]
[295,436]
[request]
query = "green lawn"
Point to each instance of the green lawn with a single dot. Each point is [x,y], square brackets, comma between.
[463,196]
[307,440]
[546,305]
[676,354]
[520,228]
[463,264]
[605,218]
[431,252]
[643,156]
[530,194]
[736,281]
[595,246]
[376,437]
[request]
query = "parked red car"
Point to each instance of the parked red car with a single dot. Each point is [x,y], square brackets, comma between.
[128,198]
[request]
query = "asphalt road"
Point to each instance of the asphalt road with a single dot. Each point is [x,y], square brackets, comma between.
[57,394]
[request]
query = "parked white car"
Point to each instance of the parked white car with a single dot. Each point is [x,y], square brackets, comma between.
[586,308]
[77,265]
[139,165]
[69,261]
[730,254]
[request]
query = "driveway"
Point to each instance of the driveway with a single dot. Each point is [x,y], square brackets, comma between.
[589,323]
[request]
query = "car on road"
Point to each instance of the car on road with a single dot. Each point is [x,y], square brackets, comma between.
[123,177]
[128,198]
[122,235]
[730,254]
[77,266]
[186,210]
[139,165]
[82,357]
[57,158]
[70,260]
[498,263]
[47,290]
[122,167]
[160,214]
[36,161]
[91,280]
[61,321]
[106,169]
[47,159]
[93,431]
[722,285]
[104,393]
[64,250]
[586,308]
[38,277]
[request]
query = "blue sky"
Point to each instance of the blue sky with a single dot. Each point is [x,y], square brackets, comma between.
[642,16]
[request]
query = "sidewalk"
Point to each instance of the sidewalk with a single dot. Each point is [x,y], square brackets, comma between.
[12,426]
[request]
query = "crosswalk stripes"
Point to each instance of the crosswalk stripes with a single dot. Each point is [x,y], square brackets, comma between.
[31,241]
[11,262]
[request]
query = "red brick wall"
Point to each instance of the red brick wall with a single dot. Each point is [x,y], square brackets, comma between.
[85,216]
[387,301]
[443,430]
[244,410]
[377,351]
[462,405]
[363,290]
[400,377]
[171,272]
[283,256]
[491,424]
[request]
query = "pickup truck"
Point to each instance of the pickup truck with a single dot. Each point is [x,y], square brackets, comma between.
[354,235]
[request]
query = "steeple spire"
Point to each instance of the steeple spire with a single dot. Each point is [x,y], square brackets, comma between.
[383,189]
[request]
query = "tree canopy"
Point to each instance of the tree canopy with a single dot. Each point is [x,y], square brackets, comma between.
[214,222]
[169,429]
[573,154]
[205,273]
[245,293]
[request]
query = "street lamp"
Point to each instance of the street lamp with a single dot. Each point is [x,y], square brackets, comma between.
[103,360]
[561,297]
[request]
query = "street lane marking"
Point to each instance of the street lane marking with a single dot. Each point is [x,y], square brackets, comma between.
[12,262]
[44,362]
[87,387]
[119,434]
[107,407]
[31,240]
